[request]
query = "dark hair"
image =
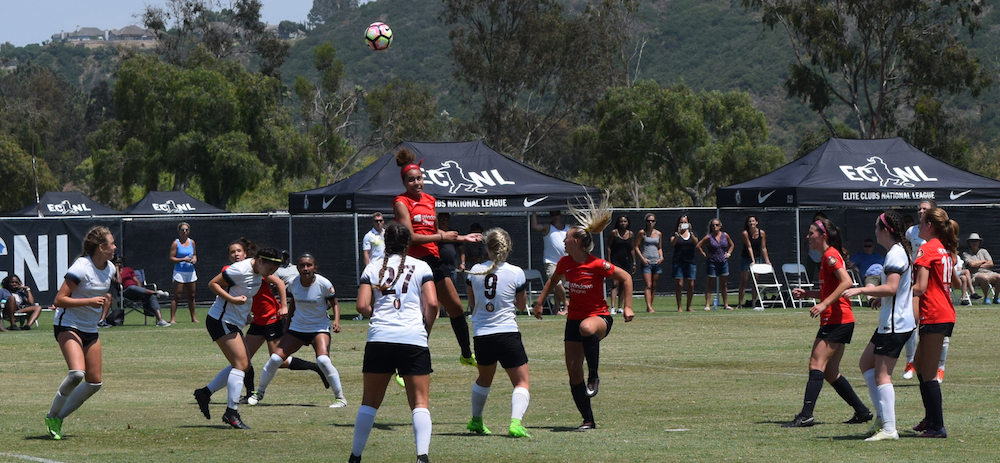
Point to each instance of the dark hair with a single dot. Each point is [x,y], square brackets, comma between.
[96,236]
[746,222]
[249,247]
[397,241]
[892,222]
[6,281]
[270,255]
[683,216]
[304,255]
[474,227]
[833,238]
[945,229]
[628,223]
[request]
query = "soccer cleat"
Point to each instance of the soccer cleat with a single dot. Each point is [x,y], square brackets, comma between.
[882,435]
[162,323]
[875,427]
[938,433]
[516,430]
[54,426]
[255,398]
[586,426]
[203,397]
[801,422]
[399,380]
[470,360]
[423,459]
[339,403]
[592,385]
[476,425]
[940,376]
[232,418]
[923,425]
[354,459]
[864,418]
[909,371]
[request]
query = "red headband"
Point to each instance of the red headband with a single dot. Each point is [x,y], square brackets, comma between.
[409,167]
[819,224]
[882,218]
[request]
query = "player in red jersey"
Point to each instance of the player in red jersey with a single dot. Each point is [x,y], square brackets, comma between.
[836,326]
[934,265]
[416,210]
[588,320]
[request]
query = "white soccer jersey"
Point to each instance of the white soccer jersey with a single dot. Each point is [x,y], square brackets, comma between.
[494,310]
[90,282]
[310,305]
[896,314]
[398,315]
[913,235]
[242,281]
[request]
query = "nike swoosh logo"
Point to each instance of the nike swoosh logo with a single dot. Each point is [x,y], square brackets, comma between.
[326,202]
[761,199]
[954,196]
[532,203]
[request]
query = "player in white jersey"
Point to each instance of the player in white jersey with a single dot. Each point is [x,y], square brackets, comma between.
[312,297]
[895,323]
[496,291]
[234,289]
[79,303]
[398,294]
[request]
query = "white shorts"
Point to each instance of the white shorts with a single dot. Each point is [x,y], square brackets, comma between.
[185,277]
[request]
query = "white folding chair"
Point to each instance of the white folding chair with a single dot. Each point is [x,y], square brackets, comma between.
[766,282]
[796,277]
[536,281]
[856,279]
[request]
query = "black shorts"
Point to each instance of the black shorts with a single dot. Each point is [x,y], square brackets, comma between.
[505,348]
[836,333]
[271,332]
[306,338]
[388,357]
[86,338]
[890,344]
[437,267]
[572,333]
[217,329]
[937,328]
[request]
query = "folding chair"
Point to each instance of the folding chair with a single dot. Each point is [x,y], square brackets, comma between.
[796,277]
[856,279]
[129,305]
[766,282]
[536,281]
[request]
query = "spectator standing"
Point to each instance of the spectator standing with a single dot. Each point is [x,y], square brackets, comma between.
[754,252]
[716,247]
[684,242]
[184,256]
[649,248]
[553,237]
[373,243]
[473,253]
[620,252]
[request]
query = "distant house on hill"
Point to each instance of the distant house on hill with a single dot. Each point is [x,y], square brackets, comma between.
[92,37]
[81,35]
[132,33]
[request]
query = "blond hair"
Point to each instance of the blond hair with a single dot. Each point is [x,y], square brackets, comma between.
[593,219]
[499,244]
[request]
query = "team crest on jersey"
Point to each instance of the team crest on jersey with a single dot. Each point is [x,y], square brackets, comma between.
[831,260]
[607,266]
[396,304]
[490,307]
[920,253]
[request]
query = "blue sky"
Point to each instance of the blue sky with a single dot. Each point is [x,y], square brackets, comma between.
[33,21]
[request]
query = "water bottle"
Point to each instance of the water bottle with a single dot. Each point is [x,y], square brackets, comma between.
[715,302]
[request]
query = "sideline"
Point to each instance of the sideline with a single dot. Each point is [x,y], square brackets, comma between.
[29,458]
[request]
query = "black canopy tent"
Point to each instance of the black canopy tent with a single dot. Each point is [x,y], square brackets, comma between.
[63,204]
[171,203]
[861,174]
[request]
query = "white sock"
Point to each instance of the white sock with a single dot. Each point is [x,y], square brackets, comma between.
[80,395]
[519,402]
[479,396]
[363,428]
[869,376]
[220,381]
[234,385]
[422,429]
[69,383]
[944,352]
[911,347]
[332,375]
[270,369]
[887,402]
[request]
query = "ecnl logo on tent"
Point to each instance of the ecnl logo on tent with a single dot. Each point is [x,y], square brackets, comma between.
[66,208]
[877,171]
[451,176]
[170,207]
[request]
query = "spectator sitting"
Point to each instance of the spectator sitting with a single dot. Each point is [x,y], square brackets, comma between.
[17,298]
[133,290]
[979,262]
[865,259]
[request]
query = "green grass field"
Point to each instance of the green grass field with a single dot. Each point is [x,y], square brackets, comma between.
[702,386]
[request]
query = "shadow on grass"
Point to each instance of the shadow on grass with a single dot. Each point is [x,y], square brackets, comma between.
[380,426]
[204,426]
[45,437]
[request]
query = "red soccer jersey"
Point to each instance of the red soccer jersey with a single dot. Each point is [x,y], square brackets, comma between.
[935,303]
[839,311]
[265,306]
[585,282]
[423,218]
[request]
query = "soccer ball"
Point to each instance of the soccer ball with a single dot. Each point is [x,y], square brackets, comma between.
[378,36]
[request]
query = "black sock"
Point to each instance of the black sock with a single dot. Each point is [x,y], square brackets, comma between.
[461,328]
[813,387]
[248,379]
[924,396]
[843,387]
[592,352]
[935,407]
[582,401]
[299,364]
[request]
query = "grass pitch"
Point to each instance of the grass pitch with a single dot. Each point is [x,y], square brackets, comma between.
[702,386]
